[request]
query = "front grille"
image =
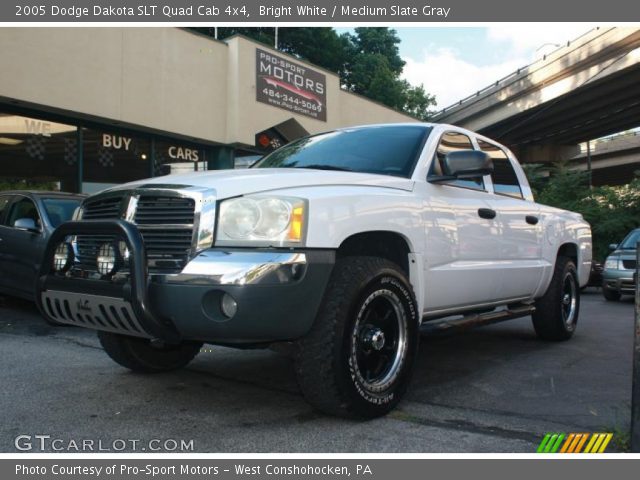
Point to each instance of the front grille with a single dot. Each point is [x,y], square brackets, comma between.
[629,264]
[167,249]
[166,223]
[153,210]
[102,209]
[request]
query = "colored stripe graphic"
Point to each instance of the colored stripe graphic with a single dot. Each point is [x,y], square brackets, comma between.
[574,443]
[582,442]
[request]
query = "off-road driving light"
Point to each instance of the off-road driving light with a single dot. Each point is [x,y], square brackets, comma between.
[125,254]
[63,257]
[107,259]
[228,305]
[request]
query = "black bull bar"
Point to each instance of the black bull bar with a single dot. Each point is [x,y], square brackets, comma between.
[135,290]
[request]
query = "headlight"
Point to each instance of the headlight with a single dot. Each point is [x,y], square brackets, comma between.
[612,263]
[262,221]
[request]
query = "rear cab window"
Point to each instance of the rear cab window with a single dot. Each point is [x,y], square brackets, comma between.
[504,177]
[452,142]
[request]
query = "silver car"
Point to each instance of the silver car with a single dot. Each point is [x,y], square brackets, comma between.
[618,277]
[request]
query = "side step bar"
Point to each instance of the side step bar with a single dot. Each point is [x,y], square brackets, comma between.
[457,324]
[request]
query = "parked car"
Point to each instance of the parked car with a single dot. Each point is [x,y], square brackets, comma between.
[27,219]
[618,277]
[347,244]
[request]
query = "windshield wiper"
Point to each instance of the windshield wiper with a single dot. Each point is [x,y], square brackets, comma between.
[327,167]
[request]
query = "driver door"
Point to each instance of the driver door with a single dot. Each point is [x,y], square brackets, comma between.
[5,203]
[462,243]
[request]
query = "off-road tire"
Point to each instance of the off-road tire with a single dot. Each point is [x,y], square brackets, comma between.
[328,359]
[557,311]
[611,295]
[141,356]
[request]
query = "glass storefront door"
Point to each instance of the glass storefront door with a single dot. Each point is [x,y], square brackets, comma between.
[37,154]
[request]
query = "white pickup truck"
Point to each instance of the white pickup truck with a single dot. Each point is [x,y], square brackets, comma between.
[347,244]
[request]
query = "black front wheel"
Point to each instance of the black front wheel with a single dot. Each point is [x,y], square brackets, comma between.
[140,355]
[357,359]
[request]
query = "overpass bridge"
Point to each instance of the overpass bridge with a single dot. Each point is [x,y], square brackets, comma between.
[584,90]
[614,160]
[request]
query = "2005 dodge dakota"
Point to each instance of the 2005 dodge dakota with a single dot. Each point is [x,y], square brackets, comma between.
[346,244]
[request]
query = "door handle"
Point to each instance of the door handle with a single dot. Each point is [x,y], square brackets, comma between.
[532,219]
[487,213]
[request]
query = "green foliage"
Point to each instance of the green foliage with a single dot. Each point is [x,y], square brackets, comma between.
[10,184]
[612,211]
[373,69]
[367,61]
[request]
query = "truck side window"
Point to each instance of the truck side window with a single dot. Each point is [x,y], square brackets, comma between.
[505,180]
[450,142]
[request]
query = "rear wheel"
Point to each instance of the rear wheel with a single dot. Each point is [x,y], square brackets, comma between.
[556,314]
[141,356]
[611,295]
[357,359]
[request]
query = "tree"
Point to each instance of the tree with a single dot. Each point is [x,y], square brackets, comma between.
[612,211]
[367,61]
[321,46]
[374,67]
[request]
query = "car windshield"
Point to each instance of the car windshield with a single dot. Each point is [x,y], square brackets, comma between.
[60,210]
[631,241]
[385,150]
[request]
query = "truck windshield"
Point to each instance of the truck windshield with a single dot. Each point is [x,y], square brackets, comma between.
[385,150]
[631,241]
[60,210]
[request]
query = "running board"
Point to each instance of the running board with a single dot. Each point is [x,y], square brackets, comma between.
[457,324]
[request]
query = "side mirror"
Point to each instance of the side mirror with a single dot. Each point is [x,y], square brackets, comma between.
[613,246]
[26,224]
[467,164]
[464,164]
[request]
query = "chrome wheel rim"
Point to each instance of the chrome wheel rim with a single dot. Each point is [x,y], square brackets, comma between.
[379,341]
[569,300]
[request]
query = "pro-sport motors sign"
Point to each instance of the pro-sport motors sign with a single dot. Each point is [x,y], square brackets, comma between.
[289,85]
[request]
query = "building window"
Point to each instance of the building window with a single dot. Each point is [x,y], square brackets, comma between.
[112,158]
[173,157]
[37,154]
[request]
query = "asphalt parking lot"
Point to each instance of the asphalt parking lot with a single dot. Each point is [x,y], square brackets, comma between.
[494,389]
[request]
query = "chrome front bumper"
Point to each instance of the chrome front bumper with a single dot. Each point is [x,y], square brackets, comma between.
[219,267]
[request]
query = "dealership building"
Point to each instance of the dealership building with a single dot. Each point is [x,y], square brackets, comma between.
[85,108]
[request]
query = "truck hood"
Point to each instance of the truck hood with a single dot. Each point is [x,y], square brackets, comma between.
[232,183]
